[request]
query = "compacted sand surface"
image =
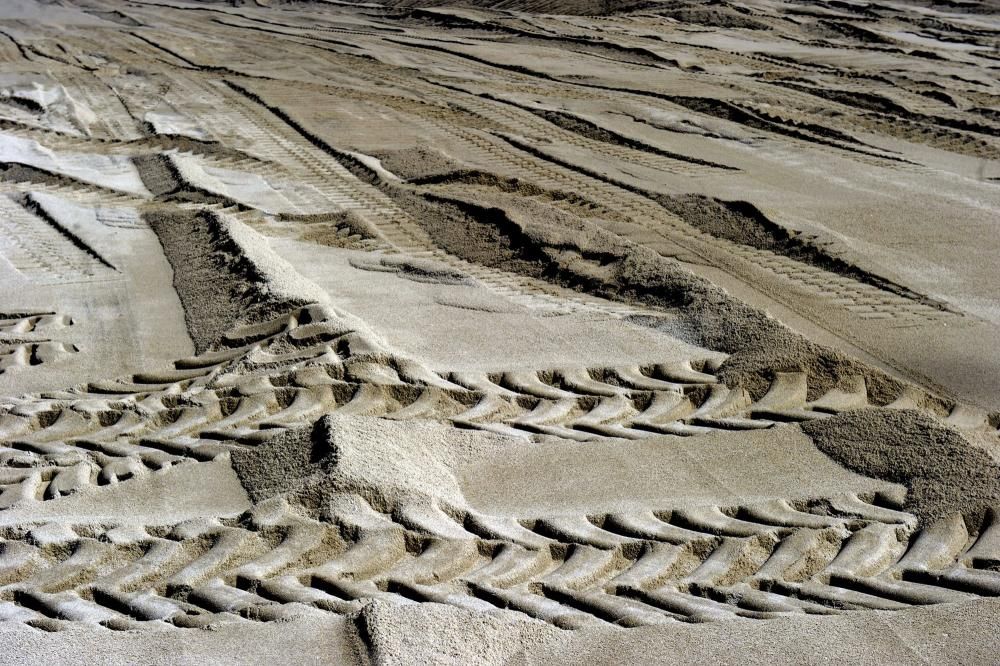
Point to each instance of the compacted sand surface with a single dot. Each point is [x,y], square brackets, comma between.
[515,332]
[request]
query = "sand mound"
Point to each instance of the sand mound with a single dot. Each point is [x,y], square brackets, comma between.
[742,222]
[388,463]
[571,7]
[945,474]
[416,162]
[440,635]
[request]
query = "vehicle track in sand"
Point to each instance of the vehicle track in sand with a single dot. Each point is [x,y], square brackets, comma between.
[698,564]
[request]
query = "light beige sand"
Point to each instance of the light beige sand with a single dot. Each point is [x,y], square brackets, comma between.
[469,332]
[605,476]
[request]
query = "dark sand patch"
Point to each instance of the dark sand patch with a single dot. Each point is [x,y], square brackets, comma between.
[416,162]
[944,473]
[218,285]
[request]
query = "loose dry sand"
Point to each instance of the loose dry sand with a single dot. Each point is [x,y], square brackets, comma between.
[523,332]
[943,472]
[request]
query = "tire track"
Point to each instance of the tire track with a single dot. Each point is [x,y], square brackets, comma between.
[692,564]
[106,432]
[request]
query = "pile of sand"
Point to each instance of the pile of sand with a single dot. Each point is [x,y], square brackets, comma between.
[943,472]
[388,463]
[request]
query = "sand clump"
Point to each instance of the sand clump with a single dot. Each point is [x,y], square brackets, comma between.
[341,229]
[416,162]
[440,635]
[943,472]
[280,464]
[388,463]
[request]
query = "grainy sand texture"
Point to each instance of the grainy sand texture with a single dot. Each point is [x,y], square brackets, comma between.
[499,332]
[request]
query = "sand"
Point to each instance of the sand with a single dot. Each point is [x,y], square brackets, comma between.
[499,332]
[943,472]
